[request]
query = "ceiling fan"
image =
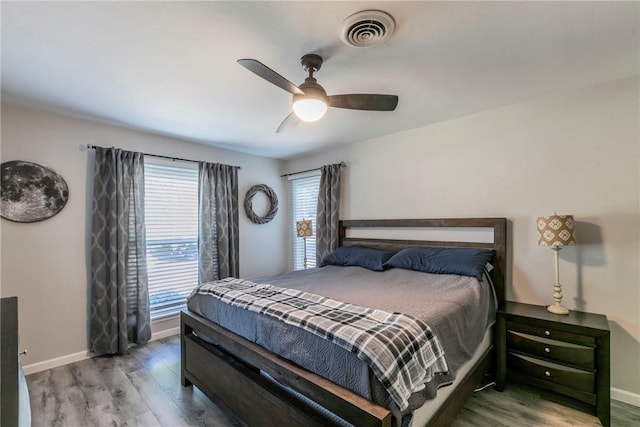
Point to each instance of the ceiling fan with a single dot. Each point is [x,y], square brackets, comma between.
[310,100]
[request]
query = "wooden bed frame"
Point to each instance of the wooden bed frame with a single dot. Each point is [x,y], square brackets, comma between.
[229,372]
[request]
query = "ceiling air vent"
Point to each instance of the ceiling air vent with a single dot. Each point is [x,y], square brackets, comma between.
[367,28]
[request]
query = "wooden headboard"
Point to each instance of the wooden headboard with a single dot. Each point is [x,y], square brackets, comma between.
[499,243]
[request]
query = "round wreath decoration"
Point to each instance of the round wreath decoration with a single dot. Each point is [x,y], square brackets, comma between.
[248,204]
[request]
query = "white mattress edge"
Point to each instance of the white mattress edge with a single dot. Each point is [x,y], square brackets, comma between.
[423,414]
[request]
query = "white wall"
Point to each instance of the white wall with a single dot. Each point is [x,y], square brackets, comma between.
[46,263]
[576,153]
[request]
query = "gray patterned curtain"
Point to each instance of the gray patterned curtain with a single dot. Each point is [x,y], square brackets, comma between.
[218,242]
[119,294]
[328,214]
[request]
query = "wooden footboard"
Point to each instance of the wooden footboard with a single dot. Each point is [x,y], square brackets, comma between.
[229,374]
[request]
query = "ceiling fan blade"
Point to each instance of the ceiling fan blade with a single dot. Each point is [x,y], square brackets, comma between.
[364,101]
[289,122]
[269,75]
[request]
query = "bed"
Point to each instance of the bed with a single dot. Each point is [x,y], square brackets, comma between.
[263,388]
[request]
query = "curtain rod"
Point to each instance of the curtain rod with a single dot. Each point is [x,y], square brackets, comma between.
[90,146]
[342,165]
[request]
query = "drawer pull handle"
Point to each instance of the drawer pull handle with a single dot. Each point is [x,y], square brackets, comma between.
[547,350]
[547,373]
[547,333]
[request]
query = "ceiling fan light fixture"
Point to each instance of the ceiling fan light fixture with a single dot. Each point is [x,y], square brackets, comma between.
[313,103]
[310,100]
[309,109]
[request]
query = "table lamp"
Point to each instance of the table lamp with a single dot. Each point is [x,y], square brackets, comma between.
[304,230]
[556,231]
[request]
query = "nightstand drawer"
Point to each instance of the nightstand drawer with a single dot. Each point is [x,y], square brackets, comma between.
[551,333]
[572,354]
[547,371]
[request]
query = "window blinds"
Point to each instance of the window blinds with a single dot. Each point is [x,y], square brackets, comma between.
[303,203]
[171,220]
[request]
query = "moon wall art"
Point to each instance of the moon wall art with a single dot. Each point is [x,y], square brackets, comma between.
[31,192]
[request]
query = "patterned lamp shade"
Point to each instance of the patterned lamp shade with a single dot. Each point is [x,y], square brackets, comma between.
[304,228]
[556,230]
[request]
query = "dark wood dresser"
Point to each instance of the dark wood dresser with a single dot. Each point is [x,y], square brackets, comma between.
[14,396]
[566,354]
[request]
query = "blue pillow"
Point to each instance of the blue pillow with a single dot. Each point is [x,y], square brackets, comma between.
[461,261]
[345,256]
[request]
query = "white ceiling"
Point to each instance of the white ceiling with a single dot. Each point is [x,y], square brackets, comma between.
[170,67]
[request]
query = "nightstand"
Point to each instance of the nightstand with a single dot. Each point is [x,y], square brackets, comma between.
[566,354]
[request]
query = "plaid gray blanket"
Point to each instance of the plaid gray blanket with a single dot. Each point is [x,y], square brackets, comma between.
[401,350]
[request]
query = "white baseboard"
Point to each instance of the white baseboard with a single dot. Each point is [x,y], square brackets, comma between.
[166,333]
[625,396]
[82,355]
[55,362]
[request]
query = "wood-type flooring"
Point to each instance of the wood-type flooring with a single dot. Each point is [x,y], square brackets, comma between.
[143,389]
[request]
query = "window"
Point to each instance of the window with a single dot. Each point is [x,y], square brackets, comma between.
[171,221]
[303,203]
